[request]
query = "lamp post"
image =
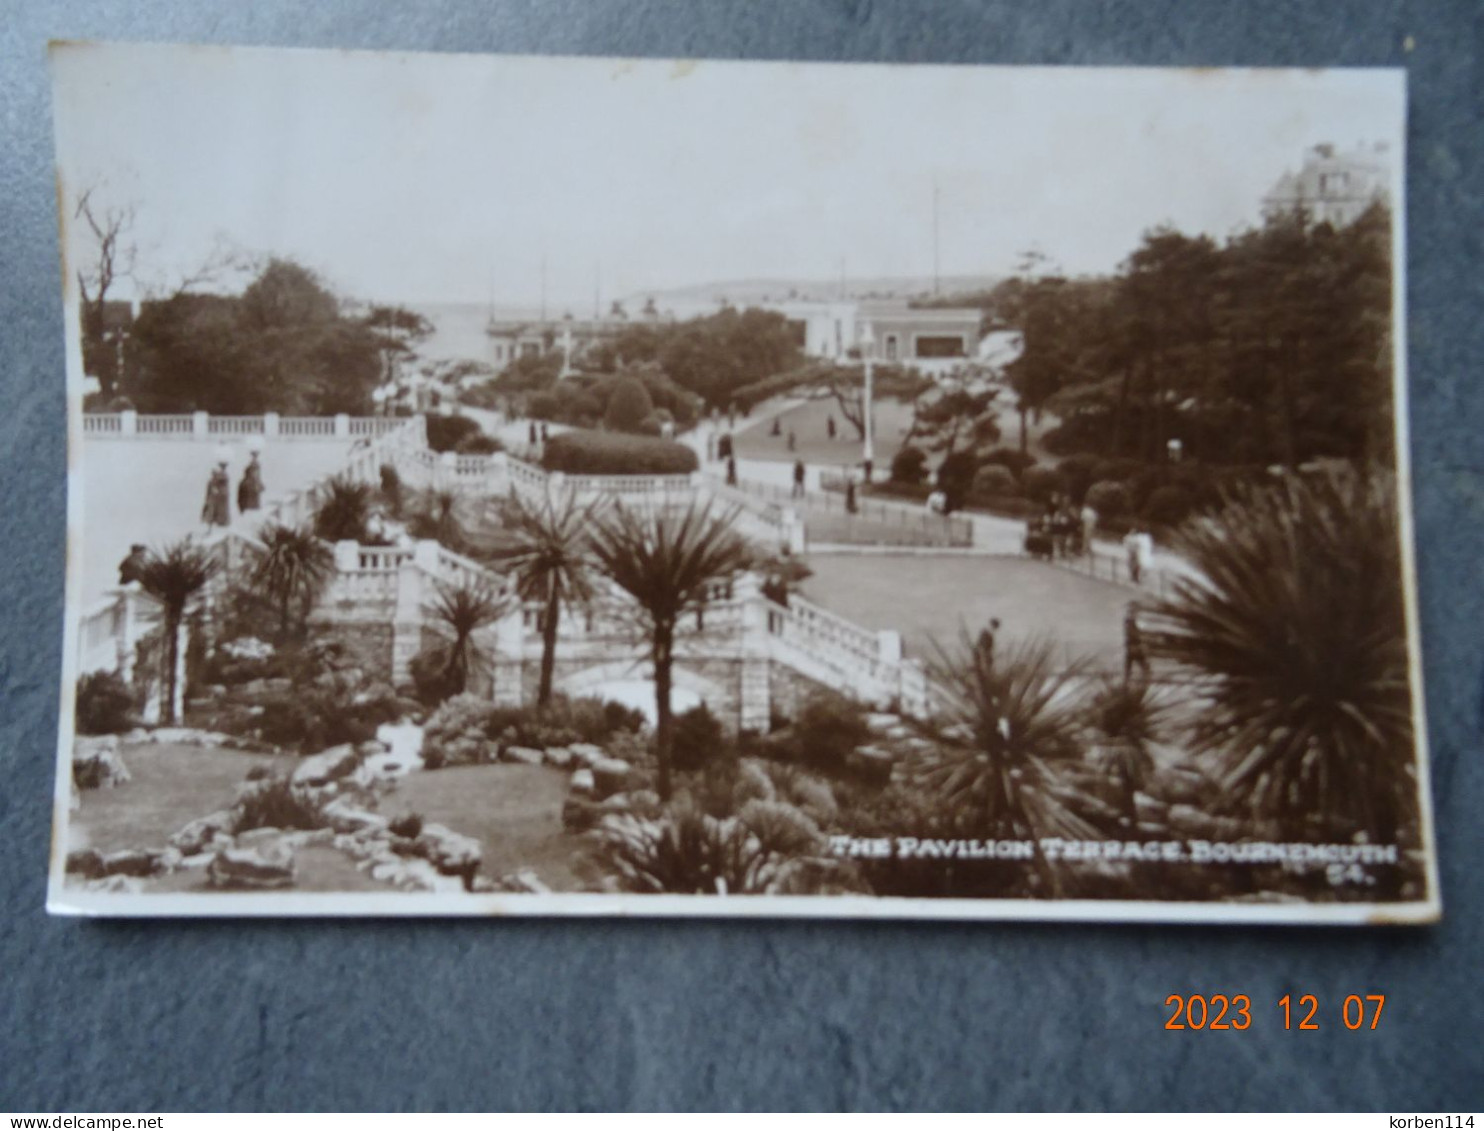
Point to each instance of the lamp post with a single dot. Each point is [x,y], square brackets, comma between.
[868,348]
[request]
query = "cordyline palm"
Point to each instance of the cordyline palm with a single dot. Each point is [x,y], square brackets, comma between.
[1130,717]
[343,510]
[548,556]
[1007,729]
[173,576]
[666,560]
[294,569]
[464,609]
[1295,627]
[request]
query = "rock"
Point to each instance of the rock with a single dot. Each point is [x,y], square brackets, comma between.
[558,756]
[881,721]
[326,766]
[270,865]
[582,782]
[346,817]
[524,881]
[451,853]
[586,754]
[96,763]
[874,763]
[610,776]
[371,748]
[580,814]
[187,736]
[198,835]
[88,863]
[198,861]
[132,862]
[116,885]
[524,755]
[644,803]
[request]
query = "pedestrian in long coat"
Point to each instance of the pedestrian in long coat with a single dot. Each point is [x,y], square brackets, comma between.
[217,509]
[250,490]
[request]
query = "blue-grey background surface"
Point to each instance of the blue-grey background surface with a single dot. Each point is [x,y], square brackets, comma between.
[348,1015]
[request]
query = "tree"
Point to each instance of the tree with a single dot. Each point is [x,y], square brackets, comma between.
[294,569]
[998,751]
[110,229]
[629,406]
[396,331]
[549,560]
[174,576]
[438,515]
[463,610]
[1294,626]
[959,407]
[666,561]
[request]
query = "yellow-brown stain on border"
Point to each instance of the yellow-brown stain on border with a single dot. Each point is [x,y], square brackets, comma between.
[683,68]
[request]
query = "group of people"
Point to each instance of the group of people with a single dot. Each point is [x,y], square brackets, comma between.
[217,509]
[1061,530]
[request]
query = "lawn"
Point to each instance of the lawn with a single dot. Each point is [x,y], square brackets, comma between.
[514,811]
[927,597]
[169,787]
[808,423]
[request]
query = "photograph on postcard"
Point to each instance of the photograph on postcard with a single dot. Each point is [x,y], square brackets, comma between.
[595,486]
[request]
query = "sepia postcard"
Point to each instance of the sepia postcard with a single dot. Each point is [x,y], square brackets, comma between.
[580,486]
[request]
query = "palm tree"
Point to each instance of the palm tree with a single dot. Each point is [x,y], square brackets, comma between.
[343,511]
[549,558]
[666,561]
[1294,627]
[1003,743]
[464,609]
[1129,716]
[294,568]
[173,576]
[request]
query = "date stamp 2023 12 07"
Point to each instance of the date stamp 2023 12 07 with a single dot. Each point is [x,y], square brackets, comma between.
[1303,1012]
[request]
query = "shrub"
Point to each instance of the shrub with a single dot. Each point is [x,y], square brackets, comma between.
[391,489]
[408,826]
[1040,483]
[687,851]
[1167,506]
[1114,470]
[696,739]
[479,444]
[457,734]
[1076,472]
[328,711]
[909,465]
[1012,459]
[584,452]
[995,479]
[277,804]
[1108,499]
[780,828]
[828,729]
[956,477]
[446,431]
[105,705]
[542,405]
[629,407]
[431,678]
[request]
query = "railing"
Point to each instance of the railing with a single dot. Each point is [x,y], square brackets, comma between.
[828,519]
[166,426]
[200,425]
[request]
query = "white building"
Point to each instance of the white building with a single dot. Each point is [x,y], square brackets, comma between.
[1333,187]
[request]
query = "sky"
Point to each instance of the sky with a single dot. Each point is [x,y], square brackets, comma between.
[453,178]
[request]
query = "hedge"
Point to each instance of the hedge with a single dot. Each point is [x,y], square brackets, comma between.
[585,452]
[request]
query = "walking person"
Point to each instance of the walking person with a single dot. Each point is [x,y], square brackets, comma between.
[724,447]
[851,506]
[731,471]
[217,509]
[798,489]
[793,441]
[531,434]
[829,427]
[1089,518]
[1134,653]
[1132,556]
[984,645]
[250,489]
